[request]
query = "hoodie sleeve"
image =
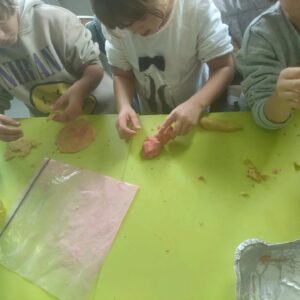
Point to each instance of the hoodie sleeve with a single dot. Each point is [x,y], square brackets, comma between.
[73,41]
[259,66]
[80,48]
[5,99]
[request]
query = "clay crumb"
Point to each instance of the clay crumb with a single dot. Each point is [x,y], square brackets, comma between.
[245,194]
[253,173]
[201,178]
[297,165]
[276,171]
[21,147]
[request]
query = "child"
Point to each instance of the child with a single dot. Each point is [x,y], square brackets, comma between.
[159,48]
[48,61]
[269,61]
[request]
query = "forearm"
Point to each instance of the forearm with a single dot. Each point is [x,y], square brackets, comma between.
[124,87]
[277,110]
[90,79]
[214,87]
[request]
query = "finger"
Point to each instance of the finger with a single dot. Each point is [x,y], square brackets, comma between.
[294,100]
[123,130]
[290,95]
[126,134]
[291,73]
[135,122]
[70,113]
[10,130]
[8,121]
[167,123]
[291,84]
[52,115]
[10,134]
[177,128]
[295,105]
[58,117]
[60,103]
[66,116]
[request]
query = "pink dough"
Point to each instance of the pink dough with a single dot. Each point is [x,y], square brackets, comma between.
[153,145]
[75,136]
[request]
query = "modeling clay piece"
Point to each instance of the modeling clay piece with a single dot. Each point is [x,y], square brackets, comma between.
[253,173]
[297,165]
[153,145]
[20,147]
[219,125]
[75,136]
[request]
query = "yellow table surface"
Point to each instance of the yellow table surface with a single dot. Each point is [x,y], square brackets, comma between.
[178,239]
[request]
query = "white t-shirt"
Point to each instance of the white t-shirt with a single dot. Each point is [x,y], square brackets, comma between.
[193,35]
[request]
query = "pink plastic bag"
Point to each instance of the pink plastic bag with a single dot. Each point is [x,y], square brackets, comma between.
[64,227]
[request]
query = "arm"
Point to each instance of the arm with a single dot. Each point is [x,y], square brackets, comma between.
[186,115]
[124,84]
[221,71]
[285,97]
[263,78]
[214,48]
[124,88]
[80,57]
[72,100]
[9,130]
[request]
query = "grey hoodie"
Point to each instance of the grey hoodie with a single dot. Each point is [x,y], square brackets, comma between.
[270,45]
[51,53]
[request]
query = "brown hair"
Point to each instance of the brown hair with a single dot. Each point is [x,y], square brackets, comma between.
[7,8]
[123,13]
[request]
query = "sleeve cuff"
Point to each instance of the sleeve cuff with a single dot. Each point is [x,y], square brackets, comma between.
[262,120]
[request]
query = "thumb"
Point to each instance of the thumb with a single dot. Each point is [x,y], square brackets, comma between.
[135,121]
[60,103]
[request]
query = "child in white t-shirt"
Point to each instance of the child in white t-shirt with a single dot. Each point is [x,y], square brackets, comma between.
[159,49]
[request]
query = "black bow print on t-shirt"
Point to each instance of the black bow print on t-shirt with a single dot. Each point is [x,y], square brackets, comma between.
[146,61]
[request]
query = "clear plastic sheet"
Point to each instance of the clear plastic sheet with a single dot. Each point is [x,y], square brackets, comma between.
[268,271]
[63,228]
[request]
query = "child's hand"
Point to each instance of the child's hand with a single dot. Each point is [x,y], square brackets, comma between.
[8,129]
[71,106]
[288,87]
[127,123]
[183,118]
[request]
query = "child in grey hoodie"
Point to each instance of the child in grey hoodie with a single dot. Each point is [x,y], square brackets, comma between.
[48,61]
[269,61]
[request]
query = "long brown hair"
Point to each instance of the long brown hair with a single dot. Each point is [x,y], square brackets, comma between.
[123,13]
